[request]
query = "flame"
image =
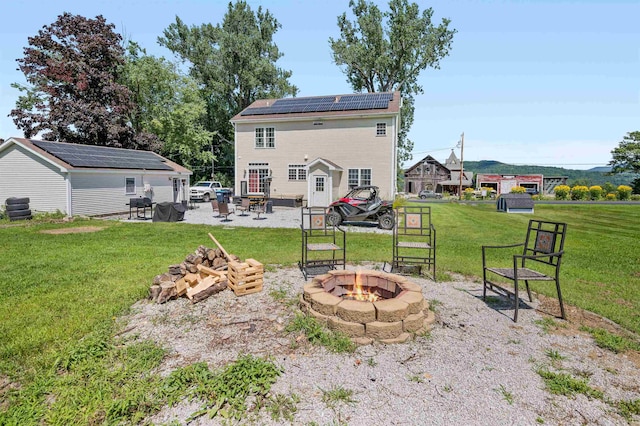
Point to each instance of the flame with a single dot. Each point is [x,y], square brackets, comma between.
[359,293]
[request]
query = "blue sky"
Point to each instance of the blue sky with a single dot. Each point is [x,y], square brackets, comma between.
[528,82]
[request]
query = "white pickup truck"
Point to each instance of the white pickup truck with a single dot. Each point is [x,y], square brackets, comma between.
[208,190]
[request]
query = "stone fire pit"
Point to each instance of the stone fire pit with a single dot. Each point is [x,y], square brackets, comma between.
[390,310]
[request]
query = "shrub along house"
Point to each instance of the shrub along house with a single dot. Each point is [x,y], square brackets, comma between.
[317,147]
[85,179]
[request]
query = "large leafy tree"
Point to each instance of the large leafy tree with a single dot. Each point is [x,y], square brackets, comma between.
[72,68]
[626,156]
[386,51]
[169,109]
[235,63]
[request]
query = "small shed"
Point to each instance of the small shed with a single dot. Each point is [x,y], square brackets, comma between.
[85,179]
[515,203]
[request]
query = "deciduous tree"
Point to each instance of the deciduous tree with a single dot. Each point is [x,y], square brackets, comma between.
[234,61]
[386,51]
[626,156]
[72,94]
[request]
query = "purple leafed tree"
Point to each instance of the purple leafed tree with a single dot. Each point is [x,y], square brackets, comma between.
[72,68]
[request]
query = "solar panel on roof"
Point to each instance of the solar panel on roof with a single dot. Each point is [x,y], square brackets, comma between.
[355,101]
[103,157]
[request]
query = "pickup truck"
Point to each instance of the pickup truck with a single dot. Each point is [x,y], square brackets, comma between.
[207,190]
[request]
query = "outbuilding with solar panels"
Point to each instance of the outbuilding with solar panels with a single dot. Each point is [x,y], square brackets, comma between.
[85,179]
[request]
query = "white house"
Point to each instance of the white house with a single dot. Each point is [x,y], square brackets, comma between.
[85,179]
[318,147]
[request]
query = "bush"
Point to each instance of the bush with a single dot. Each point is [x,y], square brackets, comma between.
[468,193]
[579,192]
[611,196]
[595,192]
[624,192]
[562,192]
[635,197]
[518,190]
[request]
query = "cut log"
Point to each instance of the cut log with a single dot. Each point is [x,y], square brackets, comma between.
[192,279]
[218,261]
[181,287]
[192,268]
[162,277]
[204,284]
[216,288]
[154,292]
[224,252]
[211,254]
[176,277]
[168,291]
[174,269]
[209,271]
[191,258]
[219,253]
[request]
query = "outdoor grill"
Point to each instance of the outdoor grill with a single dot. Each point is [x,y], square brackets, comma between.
[141,205]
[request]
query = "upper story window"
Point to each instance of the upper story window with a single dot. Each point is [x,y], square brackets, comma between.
[359,177]
[265,137]
[381,129]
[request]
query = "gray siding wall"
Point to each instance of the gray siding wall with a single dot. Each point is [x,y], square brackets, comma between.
[22,174]
[104,193]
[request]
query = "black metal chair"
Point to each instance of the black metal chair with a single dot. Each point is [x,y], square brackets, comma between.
[414,240]
[323,245]
[540,261]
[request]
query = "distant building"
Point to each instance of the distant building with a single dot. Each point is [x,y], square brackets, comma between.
[503,184]
[428,173]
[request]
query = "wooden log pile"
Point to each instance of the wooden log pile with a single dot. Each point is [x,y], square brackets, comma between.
[205,272]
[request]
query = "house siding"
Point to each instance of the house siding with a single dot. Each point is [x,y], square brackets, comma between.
[347,142]
[104,193]
[23,174]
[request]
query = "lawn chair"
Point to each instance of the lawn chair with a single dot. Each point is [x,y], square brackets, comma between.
[258,210]
[223,208]
[414,240]
[244,207]
[540,261]
[323,246]
[215,208]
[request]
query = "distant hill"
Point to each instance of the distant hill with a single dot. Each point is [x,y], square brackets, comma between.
[595,176]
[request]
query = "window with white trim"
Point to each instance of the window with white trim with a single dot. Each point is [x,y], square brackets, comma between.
[129,185]
[381,129]
[257,174]
[359,177]
[265,137]
[297,172]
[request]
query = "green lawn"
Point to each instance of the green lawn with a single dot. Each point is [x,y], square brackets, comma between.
[59,288]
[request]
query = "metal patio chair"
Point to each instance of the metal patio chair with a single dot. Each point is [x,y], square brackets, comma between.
[414,240]
[244,207]
[540,261]
[223,208]
[323,245]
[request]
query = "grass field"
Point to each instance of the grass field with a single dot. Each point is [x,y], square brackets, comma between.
[59,288]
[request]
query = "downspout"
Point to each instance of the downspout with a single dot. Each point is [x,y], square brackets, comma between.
[67,179]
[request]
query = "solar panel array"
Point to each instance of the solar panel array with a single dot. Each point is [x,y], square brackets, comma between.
[359,101]
[103,157]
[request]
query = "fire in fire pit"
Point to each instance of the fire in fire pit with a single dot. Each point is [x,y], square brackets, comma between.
[368,305]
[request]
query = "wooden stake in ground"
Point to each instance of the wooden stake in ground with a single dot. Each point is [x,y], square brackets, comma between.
[224,252]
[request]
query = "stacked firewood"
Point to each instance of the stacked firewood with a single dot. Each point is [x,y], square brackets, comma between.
[200,275]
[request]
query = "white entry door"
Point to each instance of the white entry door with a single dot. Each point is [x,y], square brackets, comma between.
[507,185]
[319,191]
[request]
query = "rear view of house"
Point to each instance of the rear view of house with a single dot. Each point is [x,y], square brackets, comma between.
[84,179]
[317,147]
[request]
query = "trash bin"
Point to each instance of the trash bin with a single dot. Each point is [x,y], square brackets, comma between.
[269,207]
[220,197]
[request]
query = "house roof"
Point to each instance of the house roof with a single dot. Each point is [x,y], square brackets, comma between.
[313,107]
[452,163]
[330,164]
[70,157]
[428,159]
[455,179]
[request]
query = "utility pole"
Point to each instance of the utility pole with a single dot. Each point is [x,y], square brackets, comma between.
[461,145]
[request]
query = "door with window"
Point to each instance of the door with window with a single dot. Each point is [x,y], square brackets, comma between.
[319,191]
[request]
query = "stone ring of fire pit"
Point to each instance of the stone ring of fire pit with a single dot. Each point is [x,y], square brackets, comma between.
[399,311]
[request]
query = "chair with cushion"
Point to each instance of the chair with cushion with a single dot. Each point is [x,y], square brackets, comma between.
[223,208]
[244,207]
[323,245]
[414,240]
[539,260]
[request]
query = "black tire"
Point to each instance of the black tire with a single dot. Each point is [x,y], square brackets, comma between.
[17,213]
[206,198]
[14,207]
[422,197]
[386,221]
[334,218]
[15,200]
[12,218]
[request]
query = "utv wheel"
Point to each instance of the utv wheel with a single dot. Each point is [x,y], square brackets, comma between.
[206,198]
[386,221]
[334,219]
